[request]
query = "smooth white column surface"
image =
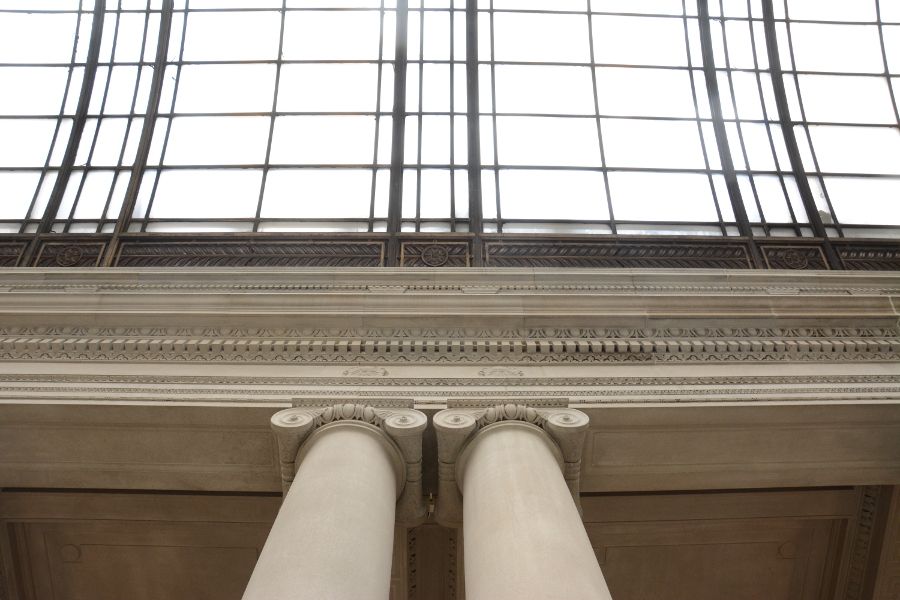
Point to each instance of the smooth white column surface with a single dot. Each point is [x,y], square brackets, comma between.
[523,536]
[333,537]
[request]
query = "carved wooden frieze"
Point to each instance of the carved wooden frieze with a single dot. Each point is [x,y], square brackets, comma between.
[69,254]
[794,257]
[606,254]
[250,253]
[882,257]
[10,253]
[435,254]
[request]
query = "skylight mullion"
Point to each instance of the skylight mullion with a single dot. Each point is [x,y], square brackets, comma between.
[265,170]
[609,204]
[28,217]
[65,169]
[144,219]
[131,118]
[126,212]
[767,120]
[787,129]
[805,127]
[887,69]
[709,71]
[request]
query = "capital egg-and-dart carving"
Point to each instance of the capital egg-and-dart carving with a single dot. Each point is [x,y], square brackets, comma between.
[402,432]
[456,427]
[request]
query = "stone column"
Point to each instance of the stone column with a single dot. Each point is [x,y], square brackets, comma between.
[350,473]
[514,473]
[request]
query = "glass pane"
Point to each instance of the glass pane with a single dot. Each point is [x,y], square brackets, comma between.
[548,141]
[33,38]
[576,195]
[323,140]
[662,197]
[232,35]
[815,48]
[17,191]
[317,193]
[624,40]
[564,38]
[660,144]
[343,35]
[32,90]
[542,89]
[847,99]
[857,149]
[217,140]
[331,88]
[644,92]
[25,142]
[865,200]
[209,194]
[226,88]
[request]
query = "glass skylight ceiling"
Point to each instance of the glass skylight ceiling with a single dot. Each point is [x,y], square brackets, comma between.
[718,117]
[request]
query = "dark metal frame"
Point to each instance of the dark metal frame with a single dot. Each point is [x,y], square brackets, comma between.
[37,234]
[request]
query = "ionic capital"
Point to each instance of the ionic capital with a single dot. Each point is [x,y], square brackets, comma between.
[565,429]
[400,430]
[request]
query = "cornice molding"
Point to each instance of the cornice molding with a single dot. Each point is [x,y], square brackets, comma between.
[449,391]
[449,345]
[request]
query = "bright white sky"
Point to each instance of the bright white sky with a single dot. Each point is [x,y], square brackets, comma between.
[546,116]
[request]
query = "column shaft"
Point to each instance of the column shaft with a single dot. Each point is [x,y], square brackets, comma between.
[333,537]
[523,536]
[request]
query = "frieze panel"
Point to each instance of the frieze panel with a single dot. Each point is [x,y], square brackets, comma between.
[870,257]
[10,253]
[251,253]
[69,254]
[434,254]
[607,254]
[794,257]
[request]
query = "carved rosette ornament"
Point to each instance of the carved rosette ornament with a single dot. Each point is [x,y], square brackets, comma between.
[457,427]
[400,429]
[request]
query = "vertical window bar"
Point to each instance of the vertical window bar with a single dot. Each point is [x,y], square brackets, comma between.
[887,69]
[87,165]
[788,131]
[265,170]
[494,123]
[738,125]
[378,133]
[476,223]
[768,120]
[68,162]
[593,67]
[709,72]
[452,120]
[131,117]
[59,120]
[420,121]
[143,150]
[162,156]
[395,205]
[805,126]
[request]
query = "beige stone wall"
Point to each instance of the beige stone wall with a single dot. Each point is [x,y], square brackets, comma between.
[736,418]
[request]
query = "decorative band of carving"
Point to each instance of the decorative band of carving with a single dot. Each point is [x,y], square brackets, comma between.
[455,427]
[402,428]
